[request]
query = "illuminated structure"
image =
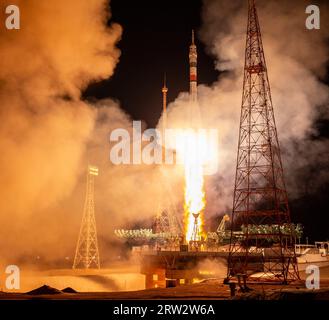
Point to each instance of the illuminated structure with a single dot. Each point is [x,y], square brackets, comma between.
[260,197]
[87,255]
[196,229]
[166,222]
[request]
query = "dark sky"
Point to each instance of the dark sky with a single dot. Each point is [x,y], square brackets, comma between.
[156,38]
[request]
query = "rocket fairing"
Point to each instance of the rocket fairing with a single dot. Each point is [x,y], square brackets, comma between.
[193,56]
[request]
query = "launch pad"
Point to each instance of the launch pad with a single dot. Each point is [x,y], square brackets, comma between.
[164,269]
[170,268]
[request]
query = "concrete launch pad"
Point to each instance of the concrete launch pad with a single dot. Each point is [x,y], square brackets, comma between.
[174,268]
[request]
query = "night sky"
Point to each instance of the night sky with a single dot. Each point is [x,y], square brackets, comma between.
[156,38]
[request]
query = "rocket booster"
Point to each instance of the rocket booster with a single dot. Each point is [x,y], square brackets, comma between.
[193,56]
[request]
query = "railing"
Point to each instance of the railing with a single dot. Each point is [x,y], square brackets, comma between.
[301,248]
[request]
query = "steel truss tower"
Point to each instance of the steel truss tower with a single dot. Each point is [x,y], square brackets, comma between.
[87,255]
[166,220]
[262,237]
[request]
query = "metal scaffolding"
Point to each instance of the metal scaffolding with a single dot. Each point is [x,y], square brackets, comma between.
[260,196]
[87,255]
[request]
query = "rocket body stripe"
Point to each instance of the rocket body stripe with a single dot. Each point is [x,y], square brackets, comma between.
[192,77]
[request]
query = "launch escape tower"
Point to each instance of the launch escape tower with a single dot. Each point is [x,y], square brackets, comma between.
[260,199]
[87,255]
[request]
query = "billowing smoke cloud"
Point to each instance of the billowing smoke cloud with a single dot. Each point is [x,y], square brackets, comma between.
[296,60]
[61,47]
[48,135]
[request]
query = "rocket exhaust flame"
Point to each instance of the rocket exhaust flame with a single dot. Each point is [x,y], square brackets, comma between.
[194,205]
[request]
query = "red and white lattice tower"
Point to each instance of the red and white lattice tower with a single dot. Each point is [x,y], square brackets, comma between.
[262,236]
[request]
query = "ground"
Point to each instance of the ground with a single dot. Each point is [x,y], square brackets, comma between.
[125,283]
[211,289]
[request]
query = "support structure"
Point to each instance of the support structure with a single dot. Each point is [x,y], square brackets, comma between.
[87,254]
[166,221]
[260,199]
[196,229]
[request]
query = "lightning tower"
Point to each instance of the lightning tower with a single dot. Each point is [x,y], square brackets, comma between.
[262,236]
[87,255]
[166,221]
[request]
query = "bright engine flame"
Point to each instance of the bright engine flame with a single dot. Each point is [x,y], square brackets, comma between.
[192,151]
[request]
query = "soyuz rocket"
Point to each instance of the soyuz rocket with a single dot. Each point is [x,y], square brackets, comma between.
[194,114]
[193,56]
